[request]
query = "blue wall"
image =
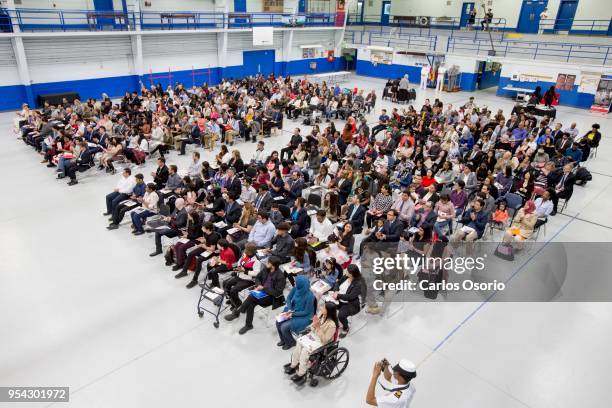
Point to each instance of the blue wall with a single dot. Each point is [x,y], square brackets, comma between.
[468,81]
[570,98]
[13,96]
[393,71]
[489,79]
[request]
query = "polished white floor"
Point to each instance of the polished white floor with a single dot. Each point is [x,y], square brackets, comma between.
[87,308]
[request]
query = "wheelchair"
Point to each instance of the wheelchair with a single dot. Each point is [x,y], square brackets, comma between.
[328,362]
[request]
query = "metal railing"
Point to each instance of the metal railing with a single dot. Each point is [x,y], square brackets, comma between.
[404,41]
[588,27]
[30,20]
[536,50]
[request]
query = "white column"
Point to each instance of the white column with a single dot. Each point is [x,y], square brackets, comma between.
[20,55]
[136,41]
[137,22]
[222,6]
[291,6]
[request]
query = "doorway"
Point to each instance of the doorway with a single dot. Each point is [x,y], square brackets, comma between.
[529,19]
[488,74]
[465,14]
[565,16]
[258,62]
[385,12]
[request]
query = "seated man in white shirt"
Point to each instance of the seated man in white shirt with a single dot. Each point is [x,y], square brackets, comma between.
[259,156]
[320,228]
[544,207]
[194,167]
[124,188]
[248,193]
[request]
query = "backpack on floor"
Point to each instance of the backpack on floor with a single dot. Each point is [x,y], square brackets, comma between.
[582,176]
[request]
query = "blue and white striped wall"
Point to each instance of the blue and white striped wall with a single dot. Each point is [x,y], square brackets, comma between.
[96,64]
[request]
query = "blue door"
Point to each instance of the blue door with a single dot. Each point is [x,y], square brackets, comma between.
[240,6]
[385,11]
[465,14]
[302,6]
[565,16]
[104,5]
[258,62]
[529,19]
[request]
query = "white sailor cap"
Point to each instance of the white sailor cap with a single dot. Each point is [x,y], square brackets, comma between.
[406,368]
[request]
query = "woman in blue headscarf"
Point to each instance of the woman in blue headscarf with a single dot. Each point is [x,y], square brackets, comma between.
[297,314]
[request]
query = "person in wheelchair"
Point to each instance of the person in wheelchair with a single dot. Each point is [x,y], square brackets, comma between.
[323,330]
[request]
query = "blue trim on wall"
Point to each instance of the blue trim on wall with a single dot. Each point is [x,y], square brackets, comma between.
[90,88]
[13,96]
[489,79]
[566,98]
[468,81]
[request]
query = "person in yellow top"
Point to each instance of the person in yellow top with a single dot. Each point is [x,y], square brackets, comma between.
[523,224]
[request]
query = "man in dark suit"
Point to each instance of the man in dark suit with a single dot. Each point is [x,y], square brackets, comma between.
[176,221]
[475,156]
[339,143]
[344,189]
[388,145]
[232,211]
[564,187]
[82,163]
[233,183]
[390,231]
[263,201]
[296,139]
[161,174]
[355,215]
[294,187]
[426,218]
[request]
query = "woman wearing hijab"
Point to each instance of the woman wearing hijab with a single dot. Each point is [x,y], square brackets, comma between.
[523,224]
[297,314]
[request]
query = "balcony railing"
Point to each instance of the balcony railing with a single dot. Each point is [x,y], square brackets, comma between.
[536,50]
[36,20]
[403,41]
[571,26]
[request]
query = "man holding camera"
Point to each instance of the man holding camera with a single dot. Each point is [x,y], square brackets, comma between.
[398,391]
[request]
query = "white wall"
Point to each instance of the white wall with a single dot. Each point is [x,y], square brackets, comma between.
[178,5]
[547,71]
[592,10]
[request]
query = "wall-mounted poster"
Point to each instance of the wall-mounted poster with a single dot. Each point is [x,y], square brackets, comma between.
[565,82]
[308,53]
[589,82]
[603,96]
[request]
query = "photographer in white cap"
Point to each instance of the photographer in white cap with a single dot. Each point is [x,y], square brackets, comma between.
[397,389]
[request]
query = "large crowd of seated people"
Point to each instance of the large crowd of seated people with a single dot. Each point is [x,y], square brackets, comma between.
[290,218]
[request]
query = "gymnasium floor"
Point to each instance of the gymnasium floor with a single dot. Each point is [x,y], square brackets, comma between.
[88,308]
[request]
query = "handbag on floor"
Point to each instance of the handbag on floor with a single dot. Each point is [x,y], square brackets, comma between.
[505,251]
